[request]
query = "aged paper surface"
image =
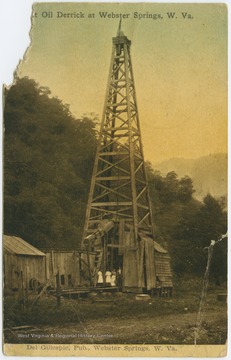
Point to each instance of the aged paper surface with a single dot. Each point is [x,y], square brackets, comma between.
[177,83]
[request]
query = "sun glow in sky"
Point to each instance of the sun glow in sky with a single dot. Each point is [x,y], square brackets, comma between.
[179,65]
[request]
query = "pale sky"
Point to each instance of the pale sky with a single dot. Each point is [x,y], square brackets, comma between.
[179,65]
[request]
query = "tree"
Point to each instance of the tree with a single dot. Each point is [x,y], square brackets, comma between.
[48,160]
[197,227]
[212,222]
[187,226]
[185,190]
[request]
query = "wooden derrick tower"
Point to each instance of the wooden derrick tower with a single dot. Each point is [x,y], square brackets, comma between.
[118,224]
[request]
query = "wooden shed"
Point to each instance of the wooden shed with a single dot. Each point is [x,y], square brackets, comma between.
[138,264]
[23,264]
[144,265]
[147,266]
[67,263]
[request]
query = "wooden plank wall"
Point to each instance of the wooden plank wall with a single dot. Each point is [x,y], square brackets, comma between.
[67,263]
[130,262]
[141,264]
[163,269]
[133,263]
[150,264]
[32,267]
[130,268]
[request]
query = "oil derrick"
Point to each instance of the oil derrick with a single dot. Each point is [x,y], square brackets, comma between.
[118,224]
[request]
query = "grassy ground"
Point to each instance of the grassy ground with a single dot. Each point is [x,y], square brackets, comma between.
[120,318]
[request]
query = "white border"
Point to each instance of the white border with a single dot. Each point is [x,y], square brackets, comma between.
[15,24]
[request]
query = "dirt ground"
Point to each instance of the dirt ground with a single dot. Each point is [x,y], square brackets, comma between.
[120,318]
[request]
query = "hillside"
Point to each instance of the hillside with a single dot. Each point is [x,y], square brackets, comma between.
[209,173]
[48,159]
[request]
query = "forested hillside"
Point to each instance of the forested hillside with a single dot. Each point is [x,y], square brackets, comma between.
[48,160]
[209,173]
[186,226]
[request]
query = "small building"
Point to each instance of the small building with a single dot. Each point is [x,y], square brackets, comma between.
[67,263]
[24,265]
[144,265]
[148,266]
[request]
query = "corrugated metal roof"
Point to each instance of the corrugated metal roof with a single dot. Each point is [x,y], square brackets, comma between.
[16,245]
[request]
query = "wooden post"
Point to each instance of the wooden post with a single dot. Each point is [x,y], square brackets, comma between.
[104,259]
[22,300]
[42,292]
[12,282]
[52,262]
[89,266]
[121,236]
[112,249]
[58,289]
[27,272]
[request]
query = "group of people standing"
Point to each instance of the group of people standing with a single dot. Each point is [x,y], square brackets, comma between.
[110,278]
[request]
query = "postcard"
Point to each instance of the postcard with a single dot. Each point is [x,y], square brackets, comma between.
[115,183]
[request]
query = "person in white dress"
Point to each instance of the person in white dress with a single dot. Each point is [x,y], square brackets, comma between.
[108,278]
[100,278]
[113,278]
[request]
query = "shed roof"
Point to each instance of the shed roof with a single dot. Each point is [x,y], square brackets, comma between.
[16,245]
[157,246]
